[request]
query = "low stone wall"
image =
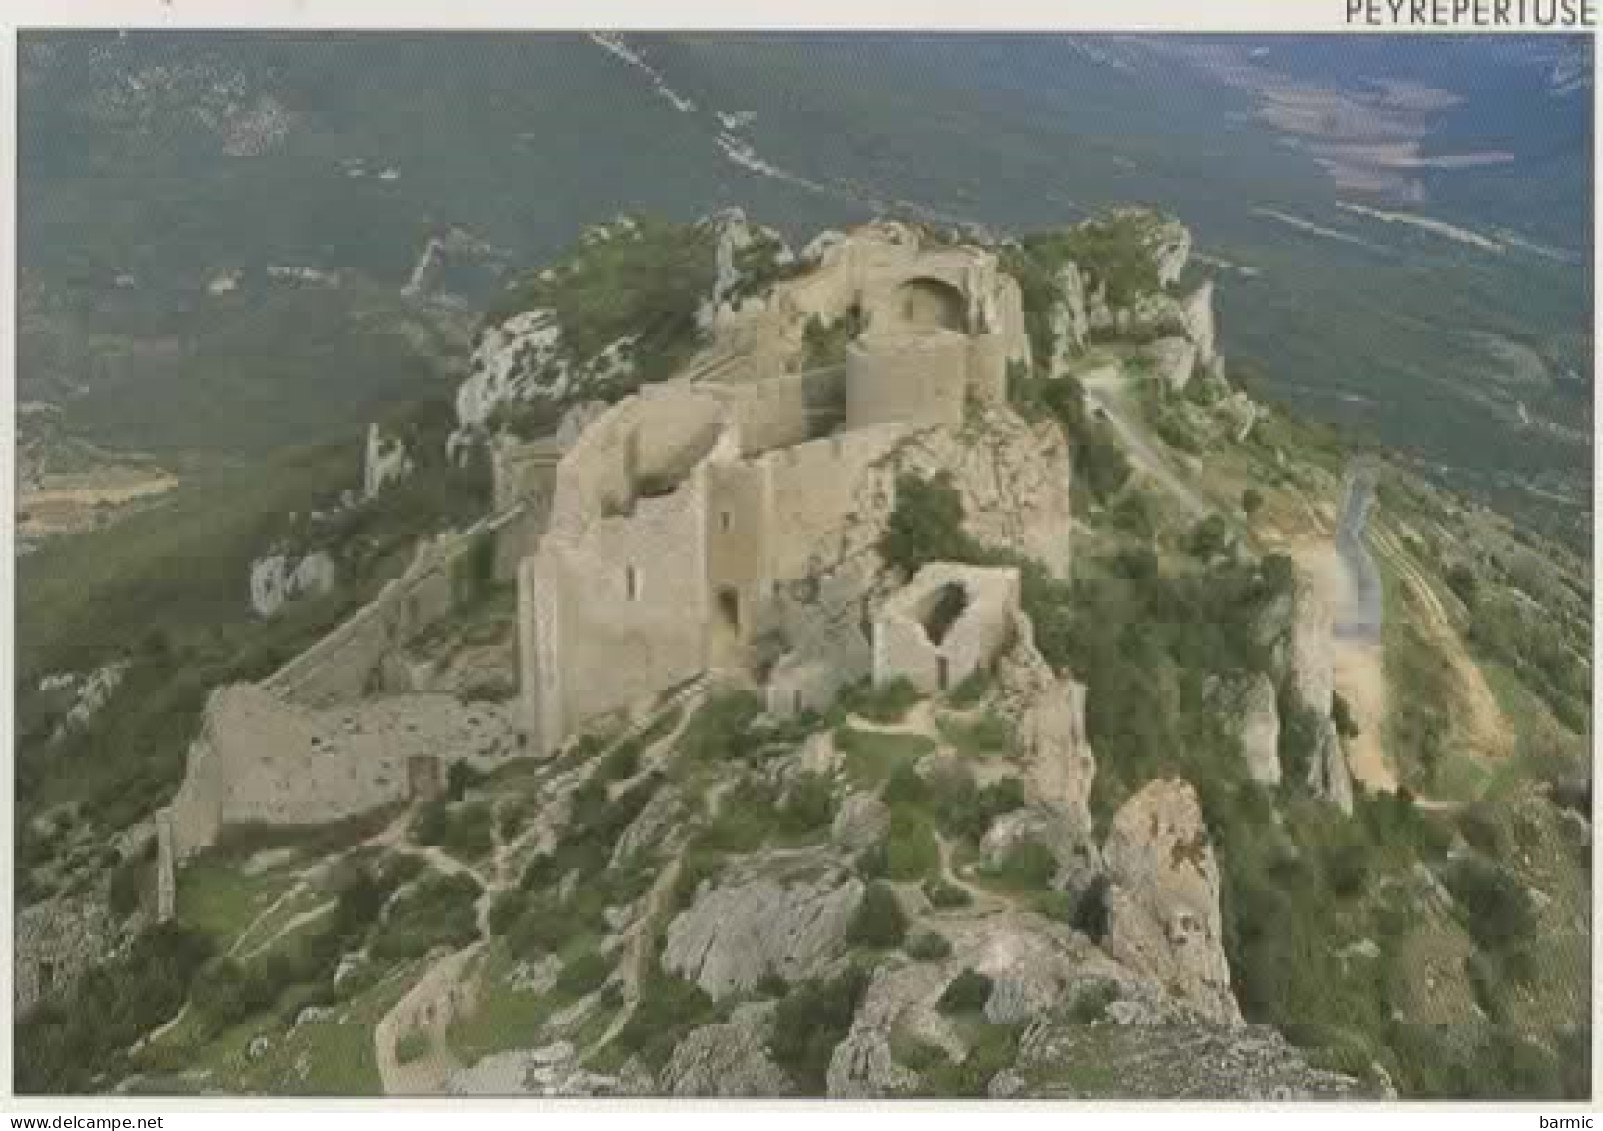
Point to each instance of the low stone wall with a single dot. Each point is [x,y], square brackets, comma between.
[349,662]
[166,867]
[262,760]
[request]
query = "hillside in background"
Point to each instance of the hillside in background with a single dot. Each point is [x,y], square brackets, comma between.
[1406,224]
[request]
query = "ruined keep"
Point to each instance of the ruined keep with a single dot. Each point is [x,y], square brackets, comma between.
[689,521]
[719,524]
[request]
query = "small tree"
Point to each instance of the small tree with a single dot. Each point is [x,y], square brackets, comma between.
[880,921]
[1251,501]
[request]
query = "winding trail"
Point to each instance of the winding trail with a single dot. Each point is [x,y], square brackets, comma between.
[1103,393]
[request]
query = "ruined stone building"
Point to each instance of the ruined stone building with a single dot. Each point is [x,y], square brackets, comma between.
[699,526]
[720,524]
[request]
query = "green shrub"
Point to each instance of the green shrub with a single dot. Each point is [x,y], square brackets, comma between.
[1091,1002]
[437,911]
[926,525]
[966,993]
[946,896]
[1027,865]
[809,805]
[621,762]
[1497,909]
[505,910]
[872,863]
[64,1046]
[928,946]
[809,1022]
[882,703]
[911,851]
[668,1007]
[1090,916]
[880,922]
[719,730]
[411,1046]
[905,787]
[971,689]
[582,974]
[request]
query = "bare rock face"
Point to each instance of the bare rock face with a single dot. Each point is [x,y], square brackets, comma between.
[1197,308]
[1163,899]
[386,461]
[279,579]
[1169,243]
[863,1065]
[728,1059]
[1312,665]
[1049,731]
[861,821]
[1328,774]
[552,1070]
[1014,478]
[1174,361]
[1170,1062]
[1071,321]
[1311,673]
[734,936]
[1250,704]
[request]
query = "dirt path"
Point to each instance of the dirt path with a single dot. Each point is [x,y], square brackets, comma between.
[428,1009]
[1104,396]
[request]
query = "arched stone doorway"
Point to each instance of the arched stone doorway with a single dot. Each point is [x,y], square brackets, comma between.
[725,631]
[930,304]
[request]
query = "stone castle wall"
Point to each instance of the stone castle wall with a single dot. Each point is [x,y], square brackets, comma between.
[620,608]
[260,760]
[911,378]
[352,660]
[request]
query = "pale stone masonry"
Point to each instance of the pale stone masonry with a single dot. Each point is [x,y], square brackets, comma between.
[719,525]
[949,622]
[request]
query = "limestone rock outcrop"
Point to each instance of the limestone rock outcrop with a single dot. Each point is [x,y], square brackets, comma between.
[1310,658]
[1202,330]
[1071,320]
[521,359]
[1249,704]
[386,461]
[1163,898]
[727,1060]
[1049,732]
[1173,361]
[281,578]
[736,935]
[1169,1062]
[1014,478]
[861,821]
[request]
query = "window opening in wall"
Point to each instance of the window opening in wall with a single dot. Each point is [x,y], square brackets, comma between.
[942,673]
[723,519]
[944,611]
[631,582]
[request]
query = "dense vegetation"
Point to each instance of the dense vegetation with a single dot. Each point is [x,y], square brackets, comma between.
[642,282]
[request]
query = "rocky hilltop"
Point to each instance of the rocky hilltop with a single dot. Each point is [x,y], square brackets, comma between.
[900,666]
